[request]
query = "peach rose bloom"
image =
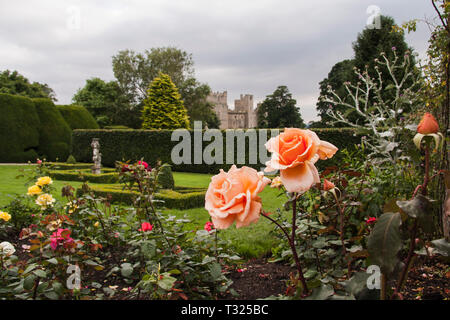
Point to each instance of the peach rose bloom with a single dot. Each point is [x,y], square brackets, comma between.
[233,196]
[294,153]
[428,124]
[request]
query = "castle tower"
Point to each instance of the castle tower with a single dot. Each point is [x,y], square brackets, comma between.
[220,102]
[242,117]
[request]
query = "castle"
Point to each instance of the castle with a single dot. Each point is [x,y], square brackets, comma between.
[242,117]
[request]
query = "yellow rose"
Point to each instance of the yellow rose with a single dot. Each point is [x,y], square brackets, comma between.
[276,183]
[96,224]
[45,200]
[5,216]
[34,190]
[43,181]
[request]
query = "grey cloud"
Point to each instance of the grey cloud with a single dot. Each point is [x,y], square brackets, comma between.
[240,46]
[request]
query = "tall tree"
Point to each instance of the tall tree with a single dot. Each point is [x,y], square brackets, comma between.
[163,107]
[199,109]
[105,101]
[369,45]
[135,71]
[15,83]
[340,73]
[279,110]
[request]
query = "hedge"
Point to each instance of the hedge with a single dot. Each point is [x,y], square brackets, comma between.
[77,117]
[19,129]
[171,199]
[54,134]
[69,166]
[84,175]
[154,145]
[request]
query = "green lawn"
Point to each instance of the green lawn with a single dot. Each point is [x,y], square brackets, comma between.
[252,241]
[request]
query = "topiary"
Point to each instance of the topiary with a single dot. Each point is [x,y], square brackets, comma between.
[55,135]
[165,177]
[71,159]
[164,108]
[19,129]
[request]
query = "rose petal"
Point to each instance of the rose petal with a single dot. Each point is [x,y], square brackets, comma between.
[300,178]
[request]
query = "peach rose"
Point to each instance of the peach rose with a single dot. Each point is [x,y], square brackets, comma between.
[428,124]
[233,196]
[294,153]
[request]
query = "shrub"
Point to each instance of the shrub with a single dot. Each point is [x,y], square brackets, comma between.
[154,145]
[77,117]
[55,133]
[69,166]
[171,198]
[84,175]
[165,177]
[163,108]
[19,129]
[71,160]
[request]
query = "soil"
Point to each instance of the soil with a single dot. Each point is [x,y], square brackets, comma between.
[429,279]
[259,279]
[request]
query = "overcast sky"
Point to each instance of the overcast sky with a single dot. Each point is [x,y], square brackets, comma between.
[246,46]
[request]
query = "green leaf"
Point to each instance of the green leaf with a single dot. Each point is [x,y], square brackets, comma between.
[148,249]
[51,295]
[321,293]
[52,261]
[356,283]
[40,273]
[28,283]
[58,287]
[215,270]
[384,242]
[417,207]
[126,269]
[166,282]
[442,247]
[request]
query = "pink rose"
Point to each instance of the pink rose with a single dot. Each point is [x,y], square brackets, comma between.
[233,196]
[209,226]
[146,226]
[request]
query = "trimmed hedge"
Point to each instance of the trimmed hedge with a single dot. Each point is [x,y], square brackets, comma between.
[19,129]
[77,117]
[69,166]
[55,134]
[154,145]
[172,199]
[85,175]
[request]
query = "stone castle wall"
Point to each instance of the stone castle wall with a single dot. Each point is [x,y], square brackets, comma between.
[242,117]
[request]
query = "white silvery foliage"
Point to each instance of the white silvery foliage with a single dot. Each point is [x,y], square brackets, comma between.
[381,118]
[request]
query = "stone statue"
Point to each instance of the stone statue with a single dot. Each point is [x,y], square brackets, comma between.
[97,156]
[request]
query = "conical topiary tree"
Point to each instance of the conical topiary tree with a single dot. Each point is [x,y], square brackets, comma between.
[163,108]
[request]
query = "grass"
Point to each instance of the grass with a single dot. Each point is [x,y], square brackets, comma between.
[253,241]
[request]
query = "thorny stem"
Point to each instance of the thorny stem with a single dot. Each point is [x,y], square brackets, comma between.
[291,240]
[412,244]
[294,250]
[340,211]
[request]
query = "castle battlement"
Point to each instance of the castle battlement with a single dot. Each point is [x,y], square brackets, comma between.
[242,117]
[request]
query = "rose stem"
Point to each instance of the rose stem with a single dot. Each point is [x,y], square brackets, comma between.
[292,242]
[412,243]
